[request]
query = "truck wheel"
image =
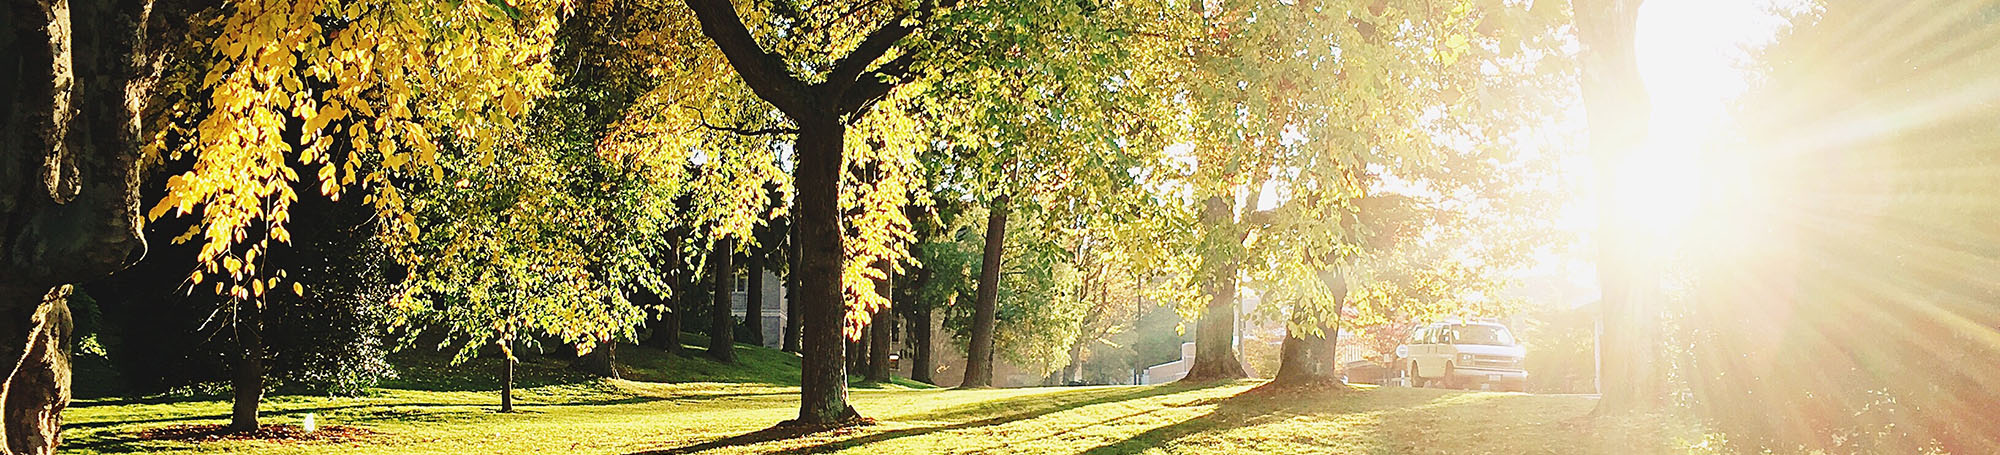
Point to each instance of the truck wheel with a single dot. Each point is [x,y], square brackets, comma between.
[1448,381]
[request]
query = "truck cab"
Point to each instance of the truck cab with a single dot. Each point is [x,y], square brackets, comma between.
[1480,355]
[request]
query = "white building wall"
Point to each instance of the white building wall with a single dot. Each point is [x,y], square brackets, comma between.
[774,306]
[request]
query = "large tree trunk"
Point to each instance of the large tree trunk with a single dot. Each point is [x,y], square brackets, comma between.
[247,385]
[38,386]
[985,309]
[823,379]
[1617,108]
[721,325]
[753,307]
[918,324]
[1215,334]
[794,316]
[1308,360]
[881,326]
[71,93]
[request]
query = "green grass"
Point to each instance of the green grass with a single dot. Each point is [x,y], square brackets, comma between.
[714,408]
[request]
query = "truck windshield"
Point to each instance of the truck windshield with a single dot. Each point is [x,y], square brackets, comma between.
[1483,334]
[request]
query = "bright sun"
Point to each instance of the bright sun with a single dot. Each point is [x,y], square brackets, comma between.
[1690,54]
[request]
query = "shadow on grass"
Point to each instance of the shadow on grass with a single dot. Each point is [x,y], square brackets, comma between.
[328,409]
[1220,419]
[1038,405]
[1405,416]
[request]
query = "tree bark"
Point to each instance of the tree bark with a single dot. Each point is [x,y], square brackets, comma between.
[1308,360]
[794,316]
[667,328]
[507,377]
[918,324]
[1617,109]
[667,336]
[1073,373]
[38,386]
[71,95]
[823,376]
[753,307]
[881,326]
[247,385]
[985,309]
[602,360]
[819,109]
[721,325]
[1215,334]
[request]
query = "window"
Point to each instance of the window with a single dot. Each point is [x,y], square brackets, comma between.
[1484,334]
[742,282]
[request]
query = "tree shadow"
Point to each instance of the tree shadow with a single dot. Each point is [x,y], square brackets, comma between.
[1399,421]
[1219,419]
[1038,405]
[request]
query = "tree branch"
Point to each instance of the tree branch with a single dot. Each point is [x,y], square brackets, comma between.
[876,84]
[702,117]
[763,71]
[848,70]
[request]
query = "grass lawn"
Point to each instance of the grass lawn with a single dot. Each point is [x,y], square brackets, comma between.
[565,413]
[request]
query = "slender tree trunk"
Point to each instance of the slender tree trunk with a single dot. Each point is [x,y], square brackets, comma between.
[667,336]
[857,353]
[722,325]
[602,360]
[882,326]
[248,383]
[1617,108]
[919,326]
[1215,334]
[507,375]
[1073,373]
[985,309]
[753,307]
[794,315]
[823,378]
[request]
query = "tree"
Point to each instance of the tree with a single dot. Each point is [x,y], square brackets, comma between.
[126,63]
[75,91]
[821,105]
[1617,108]
[721,324]
[1296,114]
[881,326]
[985,307]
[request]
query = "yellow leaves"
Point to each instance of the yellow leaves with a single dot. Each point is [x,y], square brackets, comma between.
[327,113]
[298,289]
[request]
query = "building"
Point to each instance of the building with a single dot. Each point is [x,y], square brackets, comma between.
[774,305]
